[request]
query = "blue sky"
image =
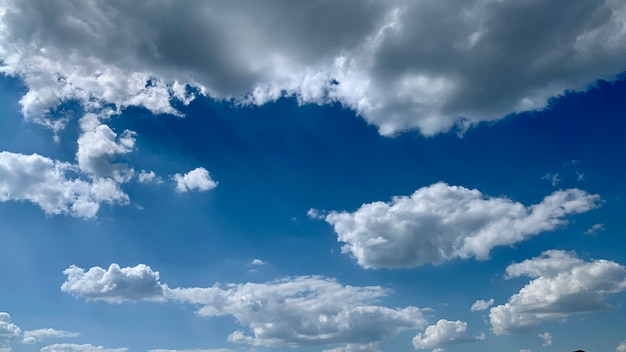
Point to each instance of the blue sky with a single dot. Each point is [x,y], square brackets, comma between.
[273,176]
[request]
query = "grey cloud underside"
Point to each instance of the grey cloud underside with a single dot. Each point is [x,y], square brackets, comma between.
[399,64]
[442,222]
[299,311]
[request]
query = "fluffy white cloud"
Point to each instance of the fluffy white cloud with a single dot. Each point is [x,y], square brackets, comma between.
[53,187]
[114,285]
[33,336]
[198,179]
[379,58]
[442,222]
[70,347]
[444,333]
[306,310]
[257,262]
[148,177]
[481,305]
[621,347]
[195,350]
[370,347]
[98,146]
[547,339]
[8,330]
[562,285]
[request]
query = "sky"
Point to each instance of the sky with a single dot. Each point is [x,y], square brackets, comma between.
[328,176]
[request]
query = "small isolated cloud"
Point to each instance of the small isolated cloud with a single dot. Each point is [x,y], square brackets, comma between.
[291,312]
[257,262]
[595,229]
[525,350]
[444,333]
[70,347]
[196,179]
[195,350]
[562,285]
[554,178]
[53,186]
[114,285]
[579,176]
[481,305]
[621,347]
[148,177]
[441,222]
[33,336]
[547,339]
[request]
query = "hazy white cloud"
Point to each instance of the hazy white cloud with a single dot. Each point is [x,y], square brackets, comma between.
[370,347]
[114,285]
[148,177]
[53,186]
[525,350]
[257,262]
[196,179]
[33,336]
[70,347]
[595,229]
[195,350]
[379,58]
[562,285]
[299,311]
[554,178]
[98,146]
[442,222]
[443,333]
[621,347]
[481,305]
[547,339]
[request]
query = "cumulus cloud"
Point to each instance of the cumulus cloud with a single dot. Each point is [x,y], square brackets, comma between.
[114,285]
[257,262]
[384,63]
[370,347]
[148,177]
[98,146]
[11,333]
[562,285]
[8,330]
[442,222]
[621,347]
[481,305]
[33,336]
[70,347]
[305,310]
[443,333]
[547,339]
[53,186]
[196,179]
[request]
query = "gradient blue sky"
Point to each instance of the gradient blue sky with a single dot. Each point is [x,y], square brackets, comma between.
[317,176]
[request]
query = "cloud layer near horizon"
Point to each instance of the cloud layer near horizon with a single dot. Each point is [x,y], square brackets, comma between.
[489,58]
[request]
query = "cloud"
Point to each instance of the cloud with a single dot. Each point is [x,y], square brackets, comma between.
[481,305]
[70,347]
[33,336]
[553,178]
[114,285]
[621,347]
[384,63]
[8,331]
[53,187]
[370,347]
[291,312]
[444,333]
[562,285]
[195,350]
[196,179]
[98,146]
[547,339]
[525,350]
[148,177]
[441,222]
[257,262]
[595,229]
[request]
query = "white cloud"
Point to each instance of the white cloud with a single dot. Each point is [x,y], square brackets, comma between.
[547,339]
[306,310]
[257,262]
[595,229]
[621,347]
[195,350]
[114,285]
[8,330]
[553,178]
[562,285]
[370,347]
[148,177]
[442,222]
[525,350]
[481,305]
[70,347]
[53,187]
[33,336]
[384,62]
[196,179]
[444,333]
[98,146]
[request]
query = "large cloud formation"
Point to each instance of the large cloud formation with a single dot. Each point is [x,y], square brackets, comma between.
[299,311]
[562,285]
[442,222]
[399,64]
